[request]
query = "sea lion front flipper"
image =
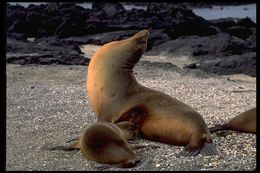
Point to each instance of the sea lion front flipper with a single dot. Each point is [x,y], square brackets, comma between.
[134,114]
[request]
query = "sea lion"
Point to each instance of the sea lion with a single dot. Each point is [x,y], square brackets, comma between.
[115,95]
[244,122]
[106,143]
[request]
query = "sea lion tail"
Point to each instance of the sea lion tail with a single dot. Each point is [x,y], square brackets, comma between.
[208,149]
[216,128]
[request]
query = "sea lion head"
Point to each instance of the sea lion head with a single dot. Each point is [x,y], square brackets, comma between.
[140,40]
[126,53]
[137,45]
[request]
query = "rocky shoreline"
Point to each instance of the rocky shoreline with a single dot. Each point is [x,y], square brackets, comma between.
[52,33]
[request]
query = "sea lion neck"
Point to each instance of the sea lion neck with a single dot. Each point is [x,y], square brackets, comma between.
[110,72]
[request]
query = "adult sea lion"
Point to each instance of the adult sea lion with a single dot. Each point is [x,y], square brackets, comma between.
[115,96]
[106,143]
[244,122]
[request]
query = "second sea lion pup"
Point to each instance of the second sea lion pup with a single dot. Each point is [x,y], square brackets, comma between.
[244,122]
[115,95]
[106,143]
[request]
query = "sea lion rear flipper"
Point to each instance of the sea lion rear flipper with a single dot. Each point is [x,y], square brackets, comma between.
[73,139]
[208,149]
[216,128]
[74,146]
[65,148]
[188,151]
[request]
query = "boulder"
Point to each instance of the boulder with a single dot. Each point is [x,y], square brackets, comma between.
[235,64]
[49,50]
[221,44]
[239,31]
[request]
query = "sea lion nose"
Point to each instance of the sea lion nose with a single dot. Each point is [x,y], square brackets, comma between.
[144,34]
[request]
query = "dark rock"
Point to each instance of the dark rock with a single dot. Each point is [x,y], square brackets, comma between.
[192,5]
[220,54]
[156,37]
[200,52]
[191,28]
[216,45]
[52,8]
[16,19]
[236,27]
[43,51]
[191,66]
[236,64]
[16,36]
[72,21]
[59,29]
[107,9]
[67,19]
[251,40]
[100,38]
[239,31]
[45,59]
[177,19]
[246,22]
[224,23]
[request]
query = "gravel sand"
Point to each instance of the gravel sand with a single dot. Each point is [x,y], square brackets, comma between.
[48,105]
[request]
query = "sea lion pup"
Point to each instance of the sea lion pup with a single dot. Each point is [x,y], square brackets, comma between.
[106,143]
[244,122]
[115,96]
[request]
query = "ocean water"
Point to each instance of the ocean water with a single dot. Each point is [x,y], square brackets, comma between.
[218,11]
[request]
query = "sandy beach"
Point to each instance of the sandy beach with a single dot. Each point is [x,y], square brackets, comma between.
[47,105]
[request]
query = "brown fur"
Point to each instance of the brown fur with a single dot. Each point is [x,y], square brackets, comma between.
[244,122]
[106,143]
[115,95]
